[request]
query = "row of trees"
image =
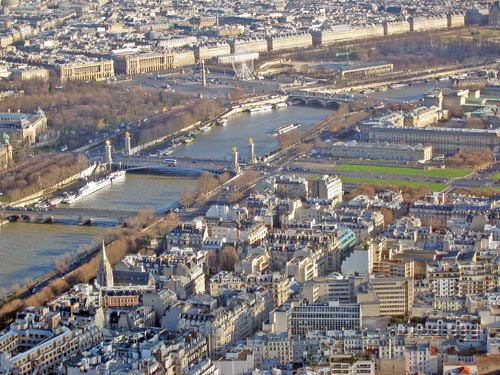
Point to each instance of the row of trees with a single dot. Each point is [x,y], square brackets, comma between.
[173,121]
[206,183]
[81,108]
[410,193]
[121,242]
[41,172]
[470,159]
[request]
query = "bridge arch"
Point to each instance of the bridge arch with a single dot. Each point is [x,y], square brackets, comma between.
[299,100]
[171,171]
[332,104]
[16,217]
[316,102]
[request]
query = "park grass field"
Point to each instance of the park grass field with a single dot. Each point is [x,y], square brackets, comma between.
[441,173]
[433,186]
[496,176]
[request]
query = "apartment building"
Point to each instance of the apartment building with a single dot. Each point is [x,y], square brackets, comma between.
[293,186]
[207,51]
[177,42]
[418,24]
[465,328]
[288,41]
[395,268]
[393,295]
[184,57]
[245,45]
[330,288]
[225,325]
[421,116]
[32,345]
[324,317]
[421,357]
[327,187]
[30,74]
[302,268]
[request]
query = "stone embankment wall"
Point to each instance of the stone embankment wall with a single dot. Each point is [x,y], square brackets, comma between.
[35,197]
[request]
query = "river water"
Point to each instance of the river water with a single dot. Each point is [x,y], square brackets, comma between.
[29,250]
[260,126]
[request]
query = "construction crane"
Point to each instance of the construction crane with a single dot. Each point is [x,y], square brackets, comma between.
[346,53]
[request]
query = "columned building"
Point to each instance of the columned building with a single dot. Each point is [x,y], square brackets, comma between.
[139,63]
[85,71]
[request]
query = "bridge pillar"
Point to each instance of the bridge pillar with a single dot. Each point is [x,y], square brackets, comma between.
[251,152]
[128,149]
[235,164]
[109,159]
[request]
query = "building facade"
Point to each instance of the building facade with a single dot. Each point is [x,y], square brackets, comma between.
[325,317]
[443,140]
[379,151]
[143,62]
[85,71]
[327,187]
[23,126]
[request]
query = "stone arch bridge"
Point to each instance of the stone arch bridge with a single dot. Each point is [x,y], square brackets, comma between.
[320,99]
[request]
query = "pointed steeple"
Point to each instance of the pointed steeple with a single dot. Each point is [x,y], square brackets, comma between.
[104,274]
[104,257]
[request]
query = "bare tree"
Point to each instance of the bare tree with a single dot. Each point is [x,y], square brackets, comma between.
[188,197]
[388,216]
[206,183]
[228,258]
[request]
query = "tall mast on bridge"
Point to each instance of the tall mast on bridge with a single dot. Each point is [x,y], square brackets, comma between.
[251,152]
[109,160]
[128,149]
[236,165]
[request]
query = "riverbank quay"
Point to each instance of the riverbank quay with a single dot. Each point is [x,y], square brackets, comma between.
[397,77]
[42,194]
[226,193]
[83,268]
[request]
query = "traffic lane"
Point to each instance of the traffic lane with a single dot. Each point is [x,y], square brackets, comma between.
[472,183]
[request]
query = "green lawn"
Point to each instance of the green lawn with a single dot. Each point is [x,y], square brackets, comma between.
[496,176]
[434,186]
[444,173]
[486,189]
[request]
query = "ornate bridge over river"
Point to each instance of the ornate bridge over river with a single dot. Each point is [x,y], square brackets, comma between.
[66,215]
[319,98]
[184,166]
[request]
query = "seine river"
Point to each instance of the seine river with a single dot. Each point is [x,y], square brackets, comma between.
[29,250]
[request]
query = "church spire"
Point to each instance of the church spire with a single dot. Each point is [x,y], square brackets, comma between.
[104,272]
[104,257]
